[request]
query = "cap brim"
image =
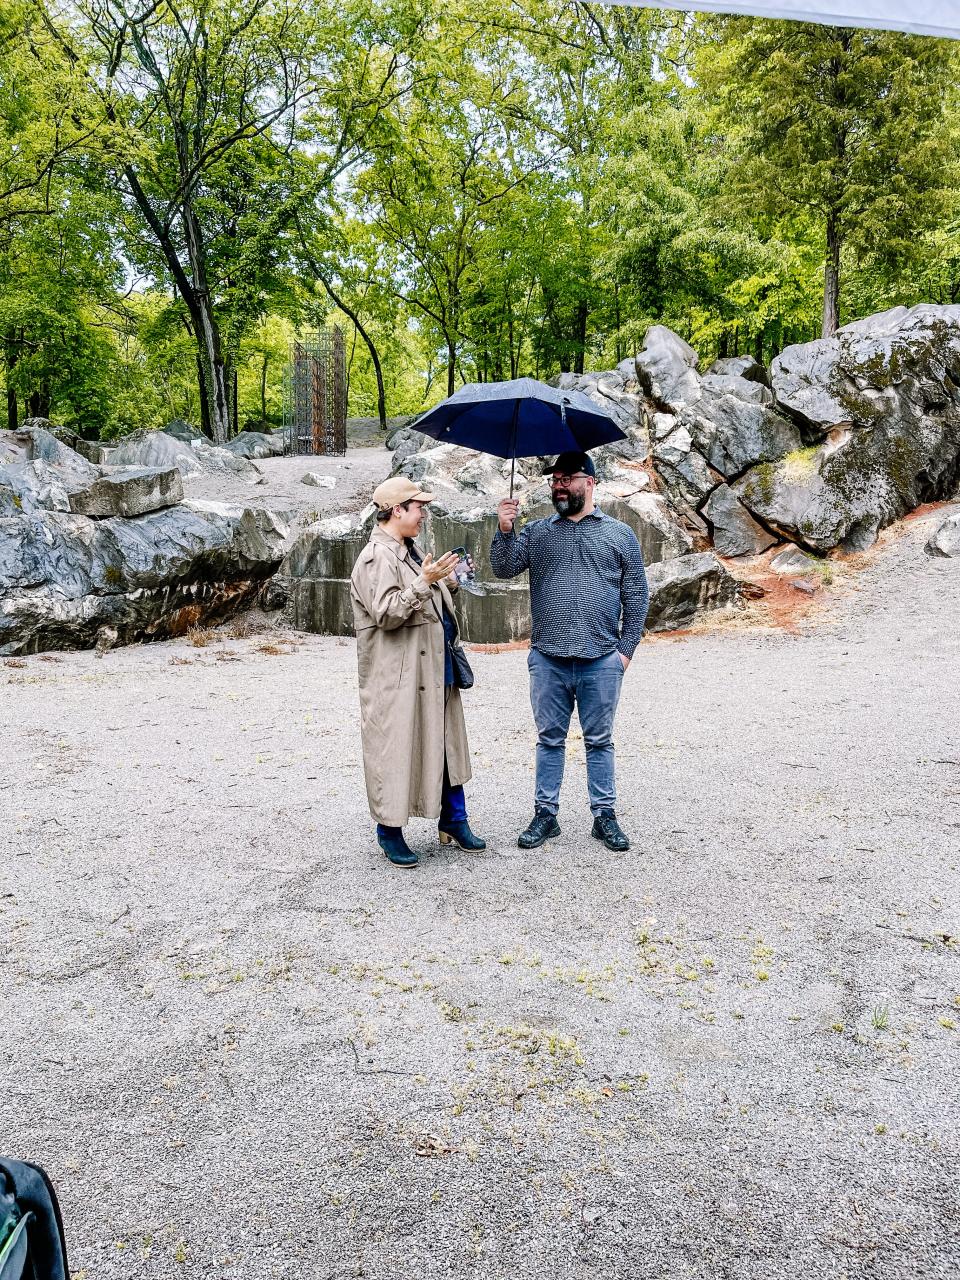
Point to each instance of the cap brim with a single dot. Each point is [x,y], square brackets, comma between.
[548,471]
[421,497]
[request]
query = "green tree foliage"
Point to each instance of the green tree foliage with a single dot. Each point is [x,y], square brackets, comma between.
[474,191]
[837,127]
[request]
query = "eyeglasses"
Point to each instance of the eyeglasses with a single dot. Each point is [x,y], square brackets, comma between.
[565,480]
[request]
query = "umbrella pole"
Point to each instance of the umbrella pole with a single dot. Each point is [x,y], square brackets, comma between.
[513,444]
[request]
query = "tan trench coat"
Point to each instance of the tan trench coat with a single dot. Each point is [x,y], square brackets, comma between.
[408,721]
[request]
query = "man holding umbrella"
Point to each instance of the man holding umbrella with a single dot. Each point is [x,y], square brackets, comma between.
[588,601]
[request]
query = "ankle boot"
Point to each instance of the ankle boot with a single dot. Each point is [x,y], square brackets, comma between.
[397,850]
[459,833]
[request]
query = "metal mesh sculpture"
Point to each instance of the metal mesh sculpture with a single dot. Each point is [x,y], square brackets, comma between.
[315,394]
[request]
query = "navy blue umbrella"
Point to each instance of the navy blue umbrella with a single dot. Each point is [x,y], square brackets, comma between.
[522,418]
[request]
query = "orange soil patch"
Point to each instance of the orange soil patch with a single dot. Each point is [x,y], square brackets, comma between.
[927,509]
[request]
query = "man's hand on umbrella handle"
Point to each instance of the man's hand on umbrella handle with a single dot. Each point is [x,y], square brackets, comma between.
[507,512]
[436,570]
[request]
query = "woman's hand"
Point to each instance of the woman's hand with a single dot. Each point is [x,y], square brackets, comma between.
[435,571]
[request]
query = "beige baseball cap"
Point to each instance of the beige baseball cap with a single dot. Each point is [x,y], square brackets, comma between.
[399,489]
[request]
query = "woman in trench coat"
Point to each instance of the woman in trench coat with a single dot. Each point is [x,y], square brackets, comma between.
[415,753]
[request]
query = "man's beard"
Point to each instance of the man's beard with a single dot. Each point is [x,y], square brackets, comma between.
[571,504]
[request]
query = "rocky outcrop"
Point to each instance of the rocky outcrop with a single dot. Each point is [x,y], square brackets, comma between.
[683,590]
[190,457]
[878,406]
[63,577]
[946,540]
[735,532]
[314,578]
[256,444]
[86,550]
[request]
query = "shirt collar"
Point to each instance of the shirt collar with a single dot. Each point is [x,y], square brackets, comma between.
[595,514]
[400,549]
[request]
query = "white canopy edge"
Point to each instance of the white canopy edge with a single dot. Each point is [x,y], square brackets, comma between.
[934,18]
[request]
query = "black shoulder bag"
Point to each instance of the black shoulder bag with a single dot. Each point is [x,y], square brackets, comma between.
[462,671]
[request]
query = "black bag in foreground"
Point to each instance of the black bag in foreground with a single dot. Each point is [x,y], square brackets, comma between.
[32,1246]
[462,676]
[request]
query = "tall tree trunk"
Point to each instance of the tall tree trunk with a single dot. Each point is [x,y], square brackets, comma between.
[580,336]
[204,404]
[38,402]
[451,365]
[263,390]
[618,345]
[831,279]
[214,388]
[195,293]
[10,356]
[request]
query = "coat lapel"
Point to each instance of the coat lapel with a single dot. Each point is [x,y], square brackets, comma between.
[410,572]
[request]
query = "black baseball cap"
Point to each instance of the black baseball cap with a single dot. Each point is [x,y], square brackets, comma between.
[570,463]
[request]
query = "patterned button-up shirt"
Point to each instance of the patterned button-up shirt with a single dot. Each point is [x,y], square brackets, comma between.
[584,574]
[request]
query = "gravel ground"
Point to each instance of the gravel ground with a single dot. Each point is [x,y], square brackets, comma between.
[245,1046]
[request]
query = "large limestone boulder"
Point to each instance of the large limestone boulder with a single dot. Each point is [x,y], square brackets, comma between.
[63,576]
[666,369]
[181,430]
[34,485]
[314,577]
[744,367]
[89,449]
[946,540]
[43,473]
[155,449]
[34,442]
[879,406]
[128,491]
[734,431]
[191,458]
[685,589]
[256,444]
[735,532]
[119,491]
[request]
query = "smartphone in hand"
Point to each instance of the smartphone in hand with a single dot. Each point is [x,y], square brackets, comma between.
[465,571]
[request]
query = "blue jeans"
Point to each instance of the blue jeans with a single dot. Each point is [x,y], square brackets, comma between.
[453,806]
[594,685]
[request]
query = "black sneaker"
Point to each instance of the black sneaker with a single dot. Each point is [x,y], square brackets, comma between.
[544,826]
[607,828]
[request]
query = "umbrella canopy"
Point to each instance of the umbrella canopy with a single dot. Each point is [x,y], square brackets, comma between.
[522,418]
[934,18]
